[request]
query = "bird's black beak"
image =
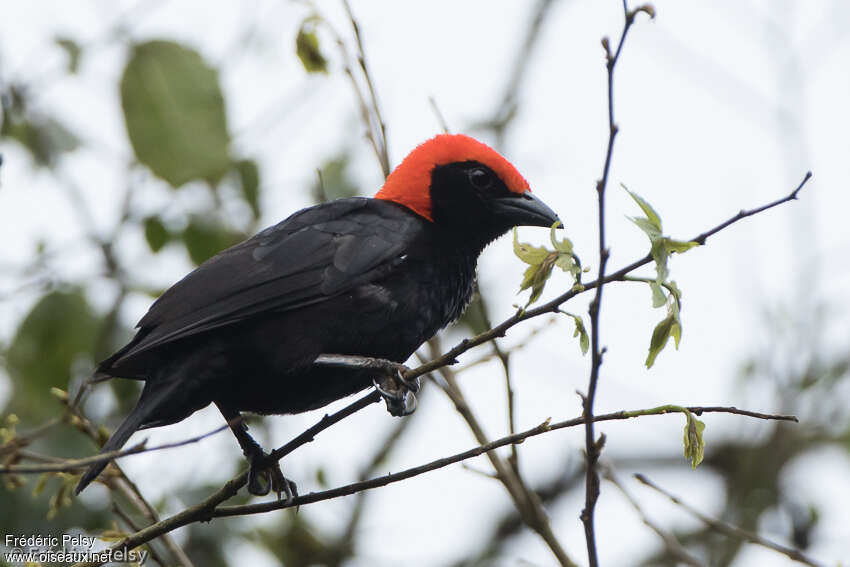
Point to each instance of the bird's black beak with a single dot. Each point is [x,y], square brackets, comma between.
[523,210]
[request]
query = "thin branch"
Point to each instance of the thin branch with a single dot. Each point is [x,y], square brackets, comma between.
[446,461]
[730,530]
[593,446]
[208,508]
[744,213]
[123,483]
[441,120]
[70,465]
[383,154]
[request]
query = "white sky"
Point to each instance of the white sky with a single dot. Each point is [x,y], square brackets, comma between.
[721,106]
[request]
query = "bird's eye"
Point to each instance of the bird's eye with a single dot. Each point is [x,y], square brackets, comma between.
[481,178]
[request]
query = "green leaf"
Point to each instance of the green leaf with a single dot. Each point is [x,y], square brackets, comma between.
[307,48]
[565,245]
[679,246]
[73,50]
[44,137]
[651,216]
[674,289]
[694,443]
[174,112]
[659,339]
[669,326]
[529,254]
[581,333]
[59,330]
[205,239]
[659,253]
[647,227]
[156,233]
[249,180]
[658,297]
[535,277]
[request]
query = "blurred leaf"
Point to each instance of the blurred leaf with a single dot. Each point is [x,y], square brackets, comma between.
[205,239]
[694,443]
[156,233]
[475,318]
[249,180]
[296,542]
[334,180]
[59,329]
[175,114]
[44,137]
[307,48]
[73,50]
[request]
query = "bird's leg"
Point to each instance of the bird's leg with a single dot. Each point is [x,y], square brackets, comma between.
[398,392]
[262,475]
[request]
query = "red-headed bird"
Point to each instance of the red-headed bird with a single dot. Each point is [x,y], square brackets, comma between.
[362,276]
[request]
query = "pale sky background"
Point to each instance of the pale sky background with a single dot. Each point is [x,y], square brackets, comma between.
[722,106]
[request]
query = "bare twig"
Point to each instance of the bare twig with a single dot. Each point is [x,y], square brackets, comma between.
[381,129]
[441,120]
[593,446]
[70,465]
[730,530]
[748,213]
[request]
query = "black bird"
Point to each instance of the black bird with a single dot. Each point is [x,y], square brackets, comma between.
[363,276]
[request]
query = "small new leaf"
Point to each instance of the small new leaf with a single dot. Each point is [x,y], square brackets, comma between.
[679,246]
[541,261]
[581,333]
[670,326]
[694,443]
[651,216]
[658,297]
[535,277]
[651,231]
[532,255]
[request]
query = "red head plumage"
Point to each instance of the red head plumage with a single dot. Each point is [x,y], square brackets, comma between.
[408,183]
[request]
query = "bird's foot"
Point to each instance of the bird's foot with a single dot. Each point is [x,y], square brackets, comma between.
[264,476]
[398,392]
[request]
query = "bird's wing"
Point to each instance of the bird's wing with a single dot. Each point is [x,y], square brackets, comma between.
[313,255]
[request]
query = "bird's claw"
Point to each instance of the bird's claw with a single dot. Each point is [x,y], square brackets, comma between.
[264,477]
[398,392]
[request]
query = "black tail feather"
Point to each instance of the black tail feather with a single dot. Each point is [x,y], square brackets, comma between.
[144,414]
[124,431]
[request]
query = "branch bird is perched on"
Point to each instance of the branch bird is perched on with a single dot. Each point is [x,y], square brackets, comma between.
[369,277]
